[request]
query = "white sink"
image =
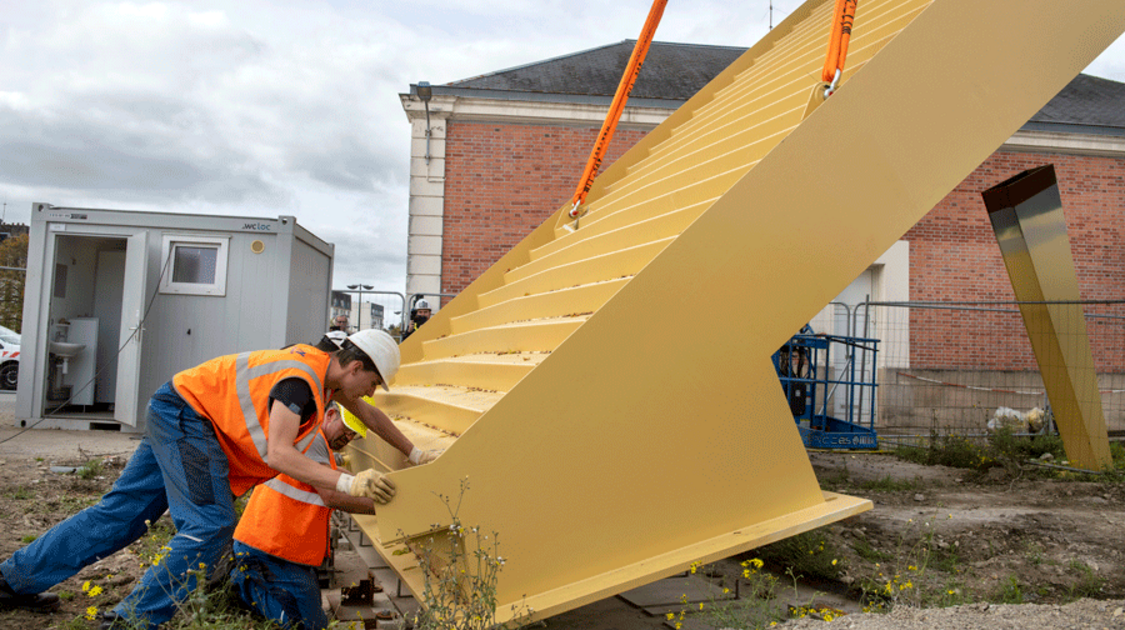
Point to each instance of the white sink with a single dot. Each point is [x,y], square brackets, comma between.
[66,350]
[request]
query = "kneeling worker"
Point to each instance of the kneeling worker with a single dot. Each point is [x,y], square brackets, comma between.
[212,433]
[284,534]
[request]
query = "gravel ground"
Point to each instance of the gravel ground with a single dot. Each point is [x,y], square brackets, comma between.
[1083,614]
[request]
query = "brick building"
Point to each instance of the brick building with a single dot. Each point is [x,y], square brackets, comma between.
[506,150]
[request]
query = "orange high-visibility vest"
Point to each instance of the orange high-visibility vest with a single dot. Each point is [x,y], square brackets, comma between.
[288,519]
[233,391]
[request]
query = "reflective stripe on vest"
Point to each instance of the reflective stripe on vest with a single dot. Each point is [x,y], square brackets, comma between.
[243,375]
[233,392]
[304,496]
[287,519]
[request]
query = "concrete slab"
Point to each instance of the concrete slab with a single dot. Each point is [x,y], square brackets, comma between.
[671,593]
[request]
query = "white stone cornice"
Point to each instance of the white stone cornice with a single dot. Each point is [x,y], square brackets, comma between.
[1069,143]
[530,112]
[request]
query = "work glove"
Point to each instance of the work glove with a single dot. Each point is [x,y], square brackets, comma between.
[419,457]
[368,483]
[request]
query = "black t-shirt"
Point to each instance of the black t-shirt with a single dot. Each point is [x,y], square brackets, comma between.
[295,394]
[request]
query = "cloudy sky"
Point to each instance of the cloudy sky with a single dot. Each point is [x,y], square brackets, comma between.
[285,107]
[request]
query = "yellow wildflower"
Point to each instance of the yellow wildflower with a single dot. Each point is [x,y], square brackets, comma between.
[95,591]
[91,612]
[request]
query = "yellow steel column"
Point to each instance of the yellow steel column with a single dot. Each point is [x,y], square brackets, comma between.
[1027,216]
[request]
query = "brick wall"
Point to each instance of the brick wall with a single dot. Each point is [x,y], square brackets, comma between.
[502,181]
[954,256]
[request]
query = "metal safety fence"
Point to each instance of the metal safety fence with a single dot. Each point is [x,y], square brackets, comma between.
[951,367]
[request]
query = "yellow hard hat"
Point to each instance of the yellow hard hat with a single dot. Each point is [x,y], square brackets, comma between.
[353,422]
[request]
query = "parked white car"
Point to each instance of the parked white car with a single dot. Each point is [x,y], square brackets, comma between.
[9,358]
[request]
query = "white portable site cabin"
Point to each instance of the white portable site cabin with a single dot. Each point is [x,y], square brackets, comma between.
[116,302]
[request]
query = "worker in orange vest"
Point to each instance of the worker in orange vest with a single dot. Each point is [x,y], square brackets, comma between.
[283,534]
[211,434]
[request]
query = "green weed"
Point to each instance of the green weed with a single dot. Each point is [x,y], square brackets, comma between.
[887,484]
[869,553]
[946,450]
[1009,592]
[21,494]
[77,623]
[92,469]
[952,595]
[810,554]
[1088,585]
[460,567]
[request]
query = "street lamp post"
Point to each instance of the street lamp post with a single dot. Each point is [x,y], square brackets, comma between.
[359,316]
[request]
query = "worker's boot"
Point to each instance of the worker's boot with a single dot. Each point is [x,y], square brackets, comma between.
[39,602]
[111,621]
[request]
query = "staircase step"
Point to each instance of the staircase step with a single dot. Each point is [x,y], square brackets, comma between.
[591,244]
[491,371]
[529,336]
[580,299]
[441,408]
[624,262]
[682,191]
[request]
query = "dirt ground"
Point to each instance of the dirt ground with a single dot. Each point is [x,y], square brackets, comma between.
[937,536]
[992,537]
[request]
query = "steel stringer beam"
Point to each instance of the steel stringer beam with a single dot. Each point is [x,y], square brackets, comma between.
[607,436]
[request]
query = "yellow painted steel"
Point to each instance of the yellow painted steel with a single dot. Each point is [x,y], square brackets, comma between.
[646,436]
[1027,216]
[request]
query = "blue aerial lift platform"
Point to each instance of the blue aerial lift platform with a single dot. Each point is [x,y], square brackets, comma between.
[816,388]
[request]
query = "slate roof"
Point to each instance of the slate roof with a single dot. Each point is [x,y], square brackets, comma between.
[1087,100]
[671,72]
[674,72]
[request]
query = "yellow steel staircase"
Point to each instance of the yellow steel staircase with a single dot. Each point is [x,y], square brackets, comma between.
[612,436]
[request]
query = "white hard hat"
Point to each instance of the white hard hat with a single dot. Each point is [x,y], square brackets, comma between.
[382,350]
[336,336]
[422,304]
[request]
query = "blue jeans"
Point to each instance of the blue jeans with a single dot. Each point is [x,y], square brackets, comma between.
[178,466]
[277,589]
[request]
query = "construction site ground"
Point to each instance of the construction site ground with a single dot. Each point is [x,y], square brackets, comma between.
[996,550]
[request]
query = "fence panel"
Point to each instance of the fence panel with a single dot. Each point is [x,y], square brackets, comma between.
[950,366]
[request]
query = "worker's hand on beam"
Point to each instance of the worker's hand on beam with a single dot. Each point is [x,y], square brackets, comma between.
[372,484]
[419,457]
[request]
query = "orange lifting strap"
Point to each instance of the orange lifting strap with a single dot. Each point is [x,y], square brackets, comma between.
[623,90]
[842,20]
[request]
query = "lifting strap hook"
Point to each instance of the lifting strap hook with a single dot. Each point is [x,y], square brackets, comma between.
[605,136]
[842,20]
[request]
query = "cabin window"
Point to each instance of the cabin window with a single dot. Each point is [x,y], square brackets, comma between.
[194,265]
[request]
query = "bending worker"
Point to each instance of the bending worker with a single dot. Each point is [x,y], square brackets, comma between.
[211,434]
[284,534]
